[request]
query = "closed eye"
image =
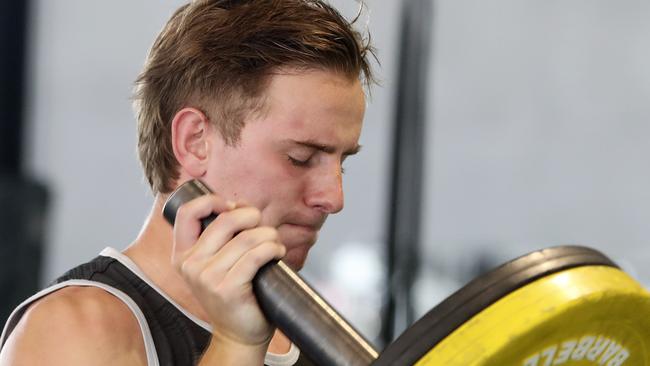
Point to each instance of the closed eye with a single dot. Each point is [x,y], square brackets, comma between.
[298,162]
[306,162]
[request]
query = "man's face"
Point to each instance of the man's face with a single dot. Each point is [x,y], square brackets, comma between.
[288,159]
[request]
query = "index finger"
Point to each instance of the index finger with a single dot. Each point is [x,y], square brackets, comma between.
[187,227]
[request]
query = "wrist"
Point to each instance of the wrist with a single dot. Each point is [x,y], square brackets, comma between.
[224,350]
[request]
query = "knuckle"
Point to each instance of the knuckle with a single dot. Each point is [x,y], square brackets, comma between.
[188,269]
[214,198]
[255,258]
[247,237]
[269,233]
[245,216]
[254,213]
[205,279]
[182,210]
[258,235]
[277,250]
[225,218]
[219,289]
[259,259]
[264,253]
[184,267]
[280,249]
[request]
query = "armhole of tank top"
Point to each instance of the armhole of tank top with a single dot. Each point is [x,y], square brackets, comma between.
[288,359]
[133,267]
[149,346]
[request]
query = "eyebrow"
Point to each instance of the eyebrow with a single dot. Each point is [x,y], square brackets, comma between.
[326,148]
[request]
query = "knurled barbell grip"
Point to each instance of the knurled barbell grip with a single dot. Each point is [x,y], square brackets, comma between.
[290,304]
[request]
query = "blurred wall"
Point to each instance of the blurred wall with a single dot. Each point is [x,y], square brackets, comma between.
[539,134]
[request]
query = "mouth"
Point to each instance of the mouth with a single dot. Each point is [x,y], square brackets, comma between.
[312,224]
[298,239]
[296,235]
[303,227]
[299,234]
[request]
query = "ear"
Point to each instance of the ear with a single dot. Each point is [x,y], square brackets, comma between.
[191,133]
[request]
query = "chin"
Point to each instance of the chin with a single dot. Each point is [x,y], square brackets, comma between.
[298,241]
[296,257]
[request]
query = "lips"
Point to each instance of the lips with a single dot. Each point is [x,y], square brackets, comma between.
[303,233]
[301,227]
[311,224]
[298,239]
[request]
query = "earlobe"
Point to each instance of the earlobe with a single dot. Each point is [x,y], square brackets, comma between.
[190,140]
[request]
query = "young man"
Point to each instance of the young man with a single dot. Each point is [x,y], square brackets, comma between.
[263,101]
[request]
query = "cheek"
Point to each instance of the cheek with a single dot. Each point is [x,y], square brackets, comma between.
[271,185]
[237,177]
[282,190]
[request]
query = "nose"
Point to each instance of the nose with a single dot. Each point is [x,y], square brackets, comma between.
[325,191]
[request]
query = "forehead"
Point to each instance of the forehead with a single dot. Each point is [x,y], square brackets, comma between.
[313,105]
[306,84]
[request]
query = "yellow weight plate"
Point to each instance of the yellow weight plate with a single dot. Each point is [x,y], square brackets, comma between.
[591,315]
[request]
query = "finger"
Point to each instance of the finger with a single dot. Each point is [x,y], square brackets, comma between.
[243,271]
[187,226]
[234,250]
[226,226]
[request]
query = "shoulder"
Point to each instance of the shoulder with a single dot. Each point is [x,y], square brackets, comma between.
[76,325]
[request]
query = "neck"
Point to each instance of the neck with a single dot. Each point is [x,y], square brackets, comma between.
[152,252]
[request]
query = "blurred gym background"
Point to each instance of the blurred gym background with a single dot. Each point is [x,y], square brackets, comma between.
[500,127]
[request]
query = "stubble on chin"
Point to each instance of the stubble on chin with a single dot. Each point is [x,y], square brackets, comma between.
[296,257]
[298,243]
